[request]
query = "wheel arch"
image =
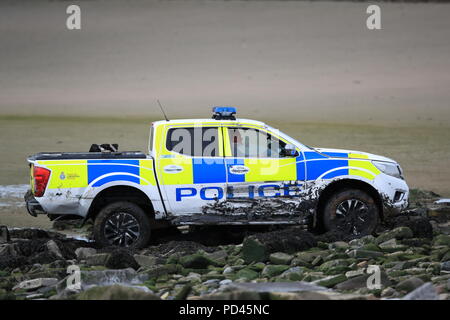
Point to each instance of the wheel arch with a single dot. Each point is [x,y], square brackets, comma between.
[121,193]
[343,184]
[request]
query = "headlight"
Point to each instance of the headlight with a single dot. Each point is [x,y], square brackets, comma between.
[389,168]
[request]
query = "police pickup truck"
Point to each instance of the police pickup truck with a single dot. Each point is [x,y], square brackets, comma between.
[219,171]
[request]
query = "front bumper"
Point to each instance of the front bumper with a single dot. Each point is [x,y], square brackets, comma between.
[394,194]
[33,206]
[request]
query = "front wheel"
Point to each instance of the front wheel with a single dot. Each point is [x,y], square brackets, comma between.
[122,224]
[352,212]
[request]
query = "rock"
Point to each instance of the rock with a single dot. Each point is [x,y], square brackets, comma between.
[424,292]
[273,270]
[183,293]
[4,235]
[389,293]
[397,233]
[196,261]
[331,281]
[365,254]
[98,259]
[357,243]
[247,274]
[117,292]
[409,284]
[228,270]
[360,282]
[442,240]
[145,261]
[354,273]
[339,245]
[280,258]
[333,263]
[292,274]
[36,283]
[52,246]
[445,266]
[253,251]
[392,246]
[121,259]
[157,271]
[296,286]
[420,227]
[83,253]
[219,257]
[257,247]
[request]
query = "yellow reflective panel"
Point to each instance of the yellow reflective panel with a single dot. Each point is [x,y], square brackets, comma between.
[363,164]
[146,172]
[177,170]
[279,169]
[67,173]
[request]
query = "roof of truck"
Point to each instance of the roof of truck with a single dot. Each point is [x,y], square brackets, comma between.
[210,121]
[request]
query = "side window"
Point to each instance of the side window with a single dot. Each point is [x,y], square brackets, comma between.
[194,141]
[252,143]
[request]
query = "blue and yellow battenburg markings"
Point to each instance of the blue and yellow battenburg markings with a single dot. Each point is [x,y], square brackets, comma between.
[81,173]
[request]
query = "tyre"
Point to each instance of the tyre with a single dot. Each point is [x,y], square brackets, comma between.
[352,212]
[122,224]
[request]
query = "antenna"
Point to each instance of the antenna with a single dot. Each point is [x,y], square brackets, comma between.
[160,106]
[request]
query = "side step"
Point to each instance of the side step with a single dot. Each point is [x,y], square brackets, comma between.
[202,219]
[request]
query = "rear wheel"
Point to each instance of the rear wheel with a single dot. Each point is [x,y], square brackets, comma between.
[351,212]
[122,224]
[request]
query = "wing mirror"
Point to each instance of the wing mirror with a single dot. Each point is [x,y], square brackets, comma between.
[290,151]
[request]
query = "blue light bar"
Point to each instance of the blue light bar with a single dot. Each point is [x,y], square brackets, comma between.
[224,113]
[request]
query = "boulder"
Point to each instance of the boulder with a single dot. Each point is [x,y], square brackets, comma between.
[409,284]
[196,261]
[280,258]
[273,270]
[424,292]
[121,259]
[247,274]
[397,233]
[257,247]
[253,250]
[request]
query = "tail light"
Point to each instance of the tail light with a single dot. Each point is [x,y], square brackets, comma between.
[41,176]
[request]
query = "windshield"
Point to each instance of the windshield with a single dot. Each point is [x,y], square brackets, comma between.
[290,139]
